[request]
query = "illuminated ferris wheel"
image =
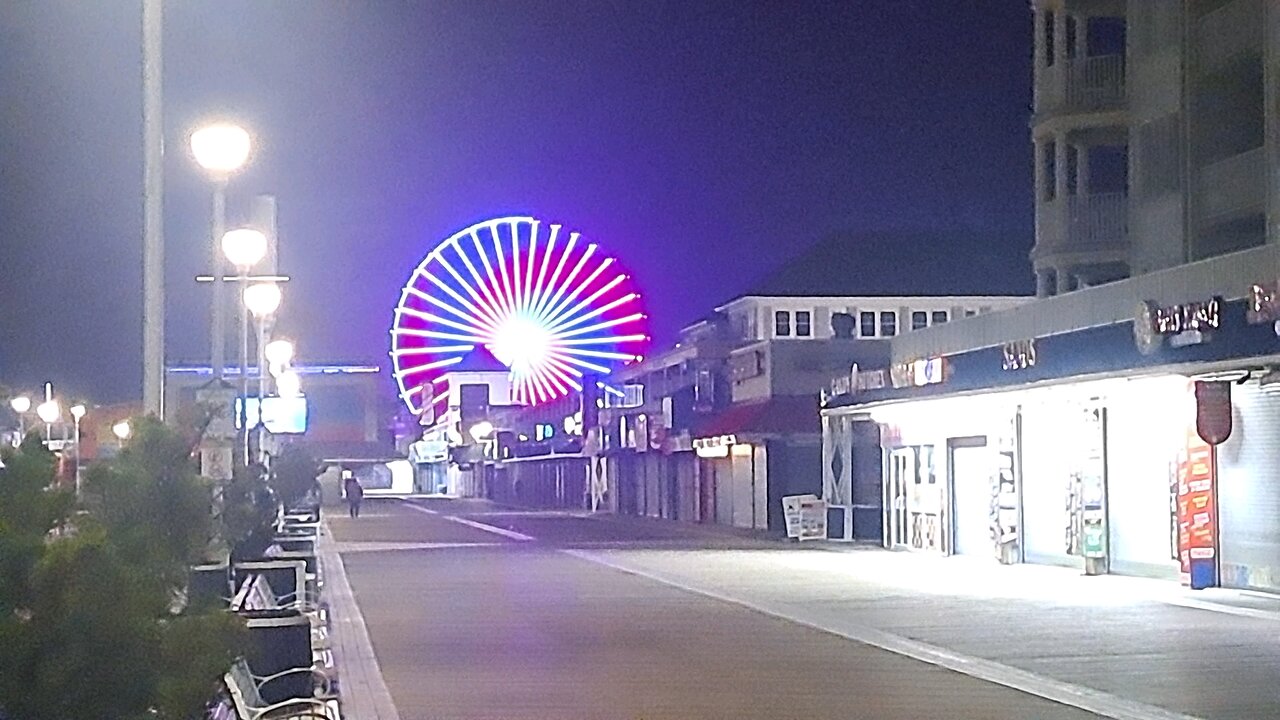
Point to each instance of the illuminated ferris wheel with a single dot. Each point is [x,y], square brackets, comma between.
[550,306]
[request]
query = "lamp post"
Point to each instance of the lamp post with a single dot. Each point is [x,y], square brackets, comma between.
[288,384]
[262,299]
[122,430]
[244,248]
[221,149]
[21,405]
[77,414]
[49,412]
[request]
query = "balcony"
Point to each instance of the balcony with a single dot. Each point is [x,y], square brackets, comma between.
[1233,186]
[1081,85]
[1082,223]
[1229,33]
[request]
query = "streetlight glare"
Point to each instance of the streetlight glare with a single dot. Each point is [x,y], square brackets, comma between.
[222,148]
[49,411]
[20,404]
[244,247]
[262,299]
[122,430]
[279,352]
[289,384]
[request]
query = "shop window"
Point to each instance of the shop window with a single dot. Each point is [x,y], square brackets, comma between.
[866,324]
[970,312]
[888,324]
[939,317]
[919,320]
[804,323]
[782,323]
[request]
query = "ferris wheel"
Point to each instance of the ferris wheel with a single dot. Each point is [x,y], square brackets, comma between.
[550,306]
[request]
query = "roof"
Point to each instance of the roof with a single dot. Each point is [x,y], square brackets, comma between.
[479,359]
[955,261]
[779,415]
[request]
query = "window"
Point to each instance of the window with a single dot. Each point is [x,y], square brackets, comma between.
[866,324]
[1049,38]
[1049,159]
[919,320]
[939,316]
[970,312]
[804,323]
[782,323]
[888,324]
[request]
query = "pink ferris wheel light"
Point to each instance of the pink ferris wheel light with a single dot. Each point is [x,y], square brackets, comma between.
[550,306]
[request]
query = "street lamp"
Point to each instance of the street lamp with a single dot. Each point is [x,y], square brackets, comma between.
[279,354]
[288,384]
[221,149]
[77,414]
[244,248]
[122,430]
[21,405]
[262,299]
[49,411]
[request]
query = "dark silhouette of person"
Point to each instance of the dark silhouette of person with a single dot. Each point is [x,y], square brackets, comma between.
[354,491]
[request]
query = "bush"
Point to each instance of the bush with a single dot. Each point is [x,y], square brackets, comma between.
[88,623]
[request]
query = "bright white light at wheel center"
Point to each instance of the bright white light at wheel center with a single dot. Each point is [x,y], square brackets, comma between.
[521,343]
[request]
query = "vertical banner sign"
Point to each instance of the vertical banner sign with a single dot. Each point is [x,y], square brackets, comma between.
[1198,513]
[1213,411]
[1093,489]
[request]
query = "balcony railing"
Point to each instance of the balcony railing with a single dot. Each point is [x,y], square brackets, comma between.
[1233,185]
[1086,84]
[1082,223]
[1233,30]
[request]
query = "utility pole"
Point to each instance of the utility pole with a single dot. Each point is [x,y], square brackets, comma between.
[152,211]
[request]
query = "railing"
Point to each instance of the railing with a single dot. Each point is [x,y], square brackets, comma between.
[1083,222]
[1082,85]
[1233,30]
[1234,184]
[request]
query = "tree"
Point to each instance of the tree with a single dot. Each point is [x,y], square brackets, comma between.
[89,626]
[294,474]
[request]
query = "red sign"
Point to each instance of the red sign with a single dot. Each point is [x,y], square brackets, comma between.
[1213,411]
[1197,508]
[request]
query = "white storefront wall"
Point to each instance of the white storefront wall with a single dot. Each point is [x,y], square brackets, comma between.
[1248,491]
[1146,421]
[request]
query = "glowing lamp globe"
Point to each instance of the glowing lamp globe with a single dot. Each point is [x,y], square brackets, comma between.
[122,430]
[262,299]
[547,304]
[279,352]
[288,384]
[78,412]
[20,404]
[244,247]
[49,411]
[222,148]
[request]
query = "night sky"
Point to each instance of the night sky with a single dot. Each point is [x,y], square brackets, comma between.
[702,142]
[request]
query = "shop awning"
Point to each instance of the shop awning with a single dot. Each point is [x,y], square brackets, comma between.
[782,415]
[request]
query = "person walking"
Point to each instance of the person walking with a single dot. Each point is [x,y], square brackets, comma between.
[354,491]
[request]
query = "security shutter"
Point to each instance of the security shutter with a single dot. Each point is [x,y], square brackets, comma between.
[1249,491]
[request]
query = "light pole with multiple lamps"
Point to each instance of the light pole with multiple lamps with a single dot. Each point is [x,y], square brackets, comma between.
[77,414]
[262,299]
[221,149]
[244,248]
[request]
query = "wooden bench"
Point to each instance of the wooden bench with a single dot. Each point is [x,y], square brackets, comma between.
[245,691]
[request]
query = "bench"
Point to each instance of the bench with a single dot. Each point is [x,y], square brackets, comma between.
[245,691]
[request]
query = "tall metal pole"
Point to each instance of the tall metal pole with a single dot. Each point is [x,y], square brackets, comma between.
[152,211]
[262,386]
[217,351]
[244,371]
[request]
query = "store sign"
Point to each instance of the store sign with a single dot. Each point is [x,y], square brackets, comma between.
[845,384]
[1018,355]
[1264,305]
[714,447]
[1197,513]
[917,373]
[857,381]
[1213,411]
[1186,324]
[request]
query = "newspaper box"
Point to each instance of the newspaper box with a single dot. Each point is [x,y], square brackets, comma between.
[806,517]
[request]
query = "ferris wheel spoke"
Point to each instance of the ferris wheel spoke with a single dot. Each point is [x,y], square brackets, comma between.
[542,272]
[568,281]
[516,267]
[485,287]
[553,284]
[436,335]
[532,256]
[575,316]
[608,340]
[568,358]
[558,311]
[602,325]
[565,372]
[429,317]
[432,350]
[473,320]
[500,261]
[495,286]
[482,309]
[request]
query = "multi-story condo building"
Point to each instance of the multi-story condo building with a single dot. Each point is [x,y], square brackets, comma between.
[1155,123]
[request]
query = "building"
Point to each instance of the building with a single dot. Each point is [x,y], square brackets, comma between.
[1156,133]
[1127,421]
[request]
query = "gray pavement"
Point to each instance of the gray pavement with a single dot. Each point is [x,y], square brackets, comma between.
[477,611]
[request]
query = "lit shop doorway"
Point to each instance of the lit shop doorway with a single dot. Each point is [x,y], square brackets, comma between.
[915,515]
[902,467]
[972,471]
